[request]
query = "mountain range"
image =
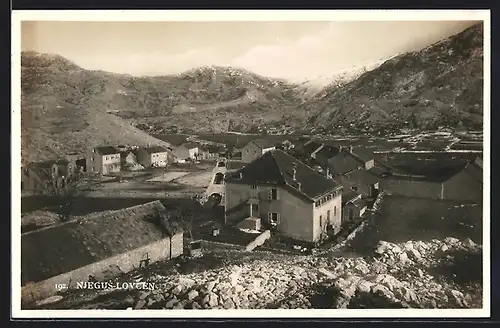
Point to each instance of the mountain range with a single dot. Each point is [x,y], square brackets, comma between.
[66,108]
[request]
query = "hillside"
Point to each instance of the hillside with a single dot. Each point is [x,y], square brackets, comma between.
[439,85]
[202,99]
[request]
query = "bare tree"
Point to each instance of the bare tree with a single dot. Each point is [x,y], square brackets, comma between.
[67,190]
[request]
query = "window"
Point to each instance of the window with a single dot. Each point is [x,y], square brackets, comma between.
[92,158]
[255,187]
[106,158]
[328,216]
[273,194]
[274,218]
[355,188]
[334,211]
[92,169]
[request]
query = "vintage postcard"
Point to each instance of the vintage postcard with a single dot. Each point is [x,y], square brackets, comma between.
[250,163]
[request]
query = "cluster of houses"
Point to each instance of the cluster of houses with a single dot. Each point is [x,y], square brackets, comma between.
[309,202]
[307,198]
[109,160]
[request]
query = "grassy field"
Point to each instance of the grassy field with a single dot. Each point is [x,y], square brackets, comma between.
[402,219]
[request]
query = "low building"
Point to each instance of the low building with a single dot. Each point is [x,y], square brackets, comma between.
[466,185]
[153,156]
[287,195]
[103,160]
[188,150]
[96,248]
[256,148]
[353,207]
[47,175]
[364,182]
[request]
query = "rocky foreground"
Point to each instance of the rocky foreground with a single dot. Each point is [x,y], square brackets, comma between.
[414,274]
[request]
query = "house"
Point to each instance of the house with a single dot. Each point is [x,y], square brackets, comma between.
[466,185]
[364,182]
[188,150]
[47,175]
[103,160]
[286,195]
[153,156]
[256,148]
[98,247]
[353,207]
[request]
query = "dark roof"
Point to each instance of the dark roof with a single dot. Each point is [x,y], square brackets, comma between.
[378,171]
[265,143]
[311,146]
[275,168]
[359,203]
[155,149]
[106,150]
[325,153]
[474,171]
[190,145]
[363,176]
[59,249]
[349,195]
[344,162]
[363,153]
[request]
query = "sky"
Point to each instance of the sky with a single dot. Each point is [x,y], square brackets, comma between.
[294,50]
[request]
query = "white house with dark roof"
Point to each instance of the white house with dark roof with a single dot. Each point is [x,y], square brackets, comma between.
[286,194]
[103,160]
[96,248]
[154,156]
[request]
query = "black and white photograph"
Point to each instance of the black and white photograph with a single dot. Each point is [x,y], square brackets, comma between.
[292,163]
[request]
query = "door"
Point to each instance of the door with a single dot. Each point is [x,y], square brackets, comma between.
[351,214]
[254,210]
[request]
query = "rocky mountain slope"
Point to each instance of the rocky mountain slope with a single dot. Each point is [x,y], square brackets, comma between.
[439,85]
[414,274]
[203,99]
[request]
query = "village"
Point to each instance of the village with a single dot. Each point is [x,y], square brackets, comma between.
[300,197]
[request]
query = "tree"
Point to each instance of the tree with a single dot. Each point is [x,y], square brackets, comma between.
[66,191]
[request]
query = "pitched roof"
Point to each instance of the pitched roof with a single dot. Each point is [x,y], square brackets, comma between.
[311,146]
[349,196]
[106,150]
[265,143]
[365,154]
[155,149]
[58,249]
[343,162]
[190,145]
[363,176]
[325,153]
[474,171]
[275,168]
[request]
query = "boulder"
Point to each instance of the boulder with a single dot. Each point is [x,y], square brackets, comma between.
[469,243]
[451,241]
[140,304]
[192,295]
[177,290]
[414,255]
[186,282]
[379,267]
[170,304]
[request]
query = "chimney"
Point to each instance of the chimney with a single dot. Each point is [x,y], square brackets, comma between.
[294,171]
[240,175]
[327,172]
[350,149]
[299,186]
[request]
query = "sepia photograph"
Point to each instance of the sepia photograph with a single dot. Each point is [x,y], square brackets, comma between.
[208,163]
